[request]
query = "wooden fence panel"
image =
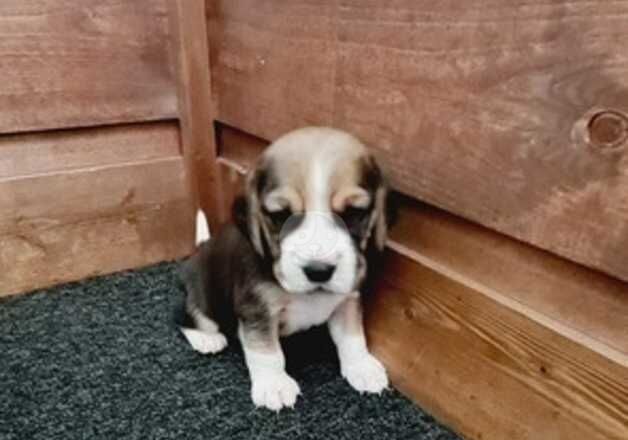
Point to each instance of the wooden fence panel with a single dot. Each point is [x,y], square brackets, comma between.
[73,222]
[514,115]
[67,63]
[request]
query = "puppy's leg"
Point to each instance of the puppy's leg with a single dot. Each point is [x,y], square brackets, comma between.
[200,331]
[205,337]
[271,387]
[357,364]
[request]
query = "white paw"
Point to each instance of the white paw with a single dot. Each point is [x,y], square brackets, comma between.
[205,343]
[274,390]
[366,374]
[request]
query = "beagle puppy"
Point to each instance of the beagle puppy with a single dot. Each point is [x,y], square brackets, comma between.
[295,257]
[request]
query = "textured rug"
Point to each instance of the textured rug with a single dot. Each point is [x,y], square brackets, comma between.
[103,359]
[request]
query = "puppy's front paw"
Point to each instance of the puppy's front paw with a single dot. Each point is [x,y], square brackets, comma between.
[274,391]
[205,343]
[366,374]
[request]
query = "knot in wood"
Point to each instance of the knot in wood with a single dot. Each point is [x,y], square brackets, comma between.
[608,130]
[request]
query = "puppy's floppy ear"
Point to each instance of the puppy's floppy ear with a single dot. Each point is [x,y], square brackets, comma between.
[239,214]
[255,183]
[376,182]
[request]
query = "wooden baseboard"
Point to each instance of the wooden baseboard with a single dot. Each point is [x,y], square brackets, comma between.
[498,339]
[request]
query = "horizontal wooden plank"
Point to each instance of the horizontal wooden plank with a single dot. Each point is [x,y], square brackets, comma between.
[582,303]
[487,369]
[515,118]
[47,152]
[288,48]
[74,224]
[65,63]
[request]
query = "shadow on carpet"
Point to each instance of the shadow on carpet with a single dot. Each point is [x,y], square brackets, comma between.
[103,359]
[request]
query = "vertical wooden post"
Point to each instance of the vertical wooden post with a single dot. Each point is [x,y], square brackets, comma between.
[191,57]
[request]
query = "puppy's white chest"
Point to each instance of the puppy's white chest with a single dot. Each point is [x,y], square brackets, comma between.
[305,311]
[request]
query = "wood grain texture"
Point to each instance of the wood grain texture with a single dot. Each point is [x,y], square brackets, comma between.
[54,151]
[272,63]
[189,33]
[78,210]
[481,110]
[486,369]
[65,63]
[581,303]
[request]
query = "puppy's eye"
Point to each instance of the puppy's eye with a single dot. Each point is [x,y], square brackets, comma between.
[279,217]
[353,214]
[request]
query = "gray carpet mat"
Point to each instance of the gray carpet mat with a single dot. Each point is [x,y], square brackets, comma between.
[102,359]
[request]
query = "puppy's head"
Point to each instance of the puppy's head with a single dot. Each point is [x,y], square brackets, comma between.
[314,203]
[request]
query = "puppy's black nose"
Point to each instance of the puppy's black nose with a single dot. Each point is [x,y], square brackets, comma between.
[318,272]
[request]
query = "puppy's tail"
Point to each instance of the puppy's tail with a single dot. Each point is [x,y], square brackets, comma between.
[202,229]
